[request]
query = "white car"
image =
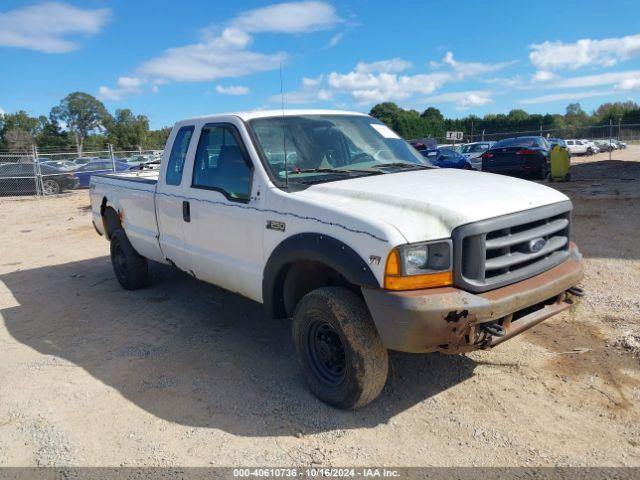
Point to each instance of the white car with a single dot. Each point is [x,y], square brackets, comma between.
[592,148]
[363,246]
[473,152]
[576,147]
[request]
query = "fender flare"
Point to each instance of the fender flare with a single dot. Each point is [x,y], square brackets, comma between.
[311,247]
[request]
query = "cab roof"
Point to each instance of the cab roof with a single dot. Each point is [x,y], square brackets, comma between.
[253,114]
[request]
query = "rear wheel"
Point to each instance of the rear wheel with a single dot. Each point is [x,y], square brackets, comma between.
[131,269]
[339,349]
[50,187]
[544,173]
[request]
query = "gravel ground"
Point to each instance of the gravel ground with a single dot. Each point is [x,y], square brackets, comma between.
[185,374]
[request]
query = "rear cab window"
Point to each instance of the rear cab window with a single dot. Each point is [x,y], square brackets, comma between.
[178,154]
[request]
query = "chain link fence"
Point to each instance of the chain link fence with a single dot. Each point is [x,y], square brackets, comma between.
[50,172]
[627,133]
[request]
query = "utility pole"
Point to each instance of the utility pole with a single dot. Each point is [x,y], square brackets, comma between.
[610,135]
[113,158]
[619,124]
[483,130]
[471,131]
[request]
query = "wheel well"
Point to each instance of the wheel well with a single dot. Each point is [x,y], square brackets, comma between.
[300,278]
[110,218]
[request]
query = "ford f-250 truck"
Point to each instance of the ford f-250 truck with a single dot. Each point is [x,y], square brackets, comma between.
[332,220]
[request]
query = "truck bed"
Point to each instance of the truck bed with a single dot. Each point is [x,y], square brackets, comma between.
[131,195]
[142,176]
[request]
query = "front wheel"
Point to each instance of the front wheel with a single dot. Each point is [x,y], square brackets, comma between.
[131,269]
[339,349]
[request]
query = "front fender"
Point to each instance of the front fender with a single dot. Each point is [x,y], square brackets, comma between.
[311,247]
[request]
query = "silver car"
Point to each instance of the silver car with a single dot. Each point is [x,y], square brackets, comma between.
[473,152]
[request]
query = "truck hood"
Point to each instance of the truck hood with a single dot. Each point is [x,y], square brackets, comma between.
[428,204]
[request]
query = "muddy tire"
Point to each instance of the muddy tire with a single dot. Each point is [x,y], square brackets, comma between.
[131,269]
[339,349]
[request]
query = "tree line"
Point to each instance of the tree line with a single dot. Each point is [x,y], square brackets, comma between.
[79,122]
[411,124]
[82,122]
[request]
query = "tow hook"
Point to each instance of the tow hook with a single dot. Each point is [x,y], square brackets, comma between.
[492,329]
[576,291]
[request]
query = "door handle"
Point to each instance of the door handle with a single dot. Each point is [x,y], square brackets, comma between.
[186,211]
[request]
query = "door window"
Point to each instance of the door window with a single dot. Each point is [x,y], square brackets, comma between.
[221,163]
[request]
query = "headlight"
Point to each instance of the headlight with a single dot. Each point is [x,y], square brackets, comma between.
[419,265]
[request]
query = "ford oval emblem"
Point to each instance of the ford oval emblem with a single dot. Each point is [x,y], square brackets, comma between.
[536,244]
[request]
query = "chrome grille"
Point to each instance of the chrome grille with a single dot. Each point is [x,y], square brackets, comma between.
[503,250]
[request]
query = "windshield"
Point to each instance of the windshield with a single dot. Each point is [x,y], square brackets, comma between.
[319,145]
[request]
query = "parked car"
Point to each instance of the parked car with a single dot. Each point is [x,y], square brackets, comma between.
[528,156]
[473,152]
[84,173]
[576,147]
[604,145]
[138,160]
[446,158]
[350,242]
[83,160]
[621,145]
[65,165]
[592,148]
[19,178]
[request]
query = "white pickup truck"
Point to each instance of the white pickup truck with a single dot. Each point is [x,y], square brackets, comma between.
[331,219]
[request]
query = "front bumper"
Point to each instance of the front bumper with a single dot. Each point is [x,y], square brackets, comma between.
[450,320]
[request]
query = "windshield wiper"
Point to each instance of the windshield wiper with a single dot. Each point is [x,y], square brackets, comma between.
[400,165]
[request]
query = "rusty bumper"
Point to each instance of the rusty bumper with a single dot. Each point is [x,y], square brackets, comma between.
[450,320]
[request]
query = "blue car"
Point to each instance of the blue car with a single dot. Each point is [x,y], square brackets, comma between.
[83,174]
[447,158]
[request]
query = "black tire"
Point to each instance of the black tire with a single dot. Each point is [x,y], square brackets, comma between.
[51,187]
[467,166]
[543,173]
[339,349]
[567,178]
[131,269]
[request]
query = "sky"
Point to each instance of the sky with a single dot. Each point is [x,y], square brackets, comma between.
[176,59]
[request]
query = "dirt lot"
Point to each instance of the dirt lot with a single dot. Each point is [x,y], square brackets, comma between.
[183,373]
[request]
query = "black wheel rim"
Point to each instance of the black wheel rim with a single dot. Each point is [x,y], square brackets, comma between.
[326,353]
[120,262]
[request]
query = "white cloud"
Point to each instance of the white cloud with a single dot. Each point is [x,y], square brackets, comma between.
[126,86]
[571,56]
[232,90]
[45,26]
[335,40]
[462,100]
[393,65]
[629,84]
[543,76]
[387,80]
[585,81]
[472,69]
[208,61]
[289,17]
[569,96]
[224,50]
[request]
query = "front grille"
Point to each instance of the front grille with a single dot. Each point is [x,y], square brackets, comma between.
[496,252]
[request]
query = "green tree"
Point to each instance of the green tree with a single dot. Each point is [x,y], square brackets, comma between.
[126,129]
[83,114]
